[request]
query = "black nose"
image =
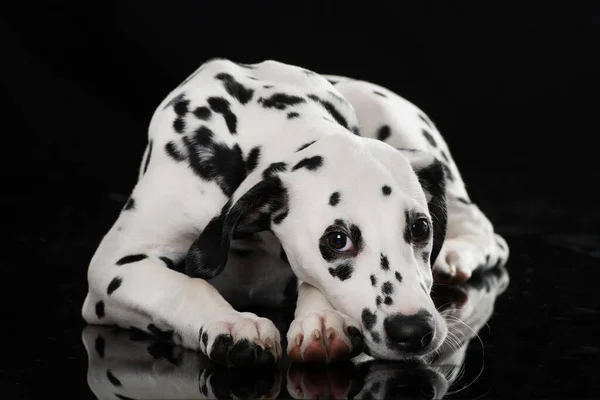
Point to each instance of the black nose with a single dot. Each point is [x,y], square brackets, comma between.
[411,333]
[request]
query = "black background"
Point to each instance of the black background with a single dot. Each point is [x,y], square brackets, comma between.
[511,88]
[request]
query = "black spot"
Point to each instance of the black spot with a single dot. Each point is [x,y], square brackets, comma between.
[445,156]
[120,396]
[131,259]
[100,309]
[222,106]
[137,335]
[204,338]
[386,190]
[308,72]
[426,120]
[376,338]
[332,81]
[235,89]
[373,280]
[114,285]
[448,172]
[281,101]
[202,113]
[99,345]
[273,169]
[147,162]
[305,145]
[356,236]
[342,272]
[173,152]
[383,133]
[429,138]
[168,262]
[425,256]
[385,264]
[181,107]
[253,78]
[407,234]
[398,276]
[174,100]
[252,160]
[119,229]
[249,66]
[166,335]
[220,348]
[368,319]
[113,379]
[293,115]
[355,130]
[378,301]
[424,288]
[334,199]
[283,256]
[267,86]
[388,301]
[179,125]
[387,288]
[463,200]
[500,245]
[217,162]
[130,205]
[280,217]
[311,163]
[379,93]
[330,108]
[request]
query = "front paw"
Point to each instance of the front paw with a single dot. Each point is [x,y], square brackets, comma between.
[241,340]
[324,337]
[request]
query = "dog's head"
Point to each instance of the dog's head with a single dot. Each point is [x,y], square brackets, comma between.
[359,220]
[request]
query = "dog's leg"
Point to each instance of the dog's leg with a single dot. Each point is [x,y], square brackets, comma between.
[130,272]
[470,244]
[319,333]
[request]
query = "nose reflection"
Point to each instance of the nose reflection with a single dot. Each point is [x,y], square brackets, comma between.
[410,333]
[125,364]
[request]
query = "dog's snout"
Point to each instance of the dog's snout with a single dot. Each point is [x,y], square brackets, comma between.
[411,333]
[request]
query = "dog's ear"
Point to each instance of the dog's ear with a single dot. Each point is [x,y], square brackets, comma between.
[431,174]
[251,213]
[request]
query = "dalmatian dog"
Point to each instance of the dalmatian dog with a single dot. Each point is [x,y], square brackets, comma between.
[261,179]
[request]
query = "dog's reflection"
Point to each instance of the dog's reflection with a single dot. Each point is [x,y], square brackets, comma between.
[131,365]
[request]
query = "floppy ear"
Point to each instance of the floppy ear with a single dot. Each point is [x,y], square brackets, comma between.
[252,213]
[431,174]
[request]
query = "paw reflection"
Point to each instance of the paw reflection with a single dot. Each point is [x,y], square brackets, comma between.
[370,379]
[129,364]
[125,364]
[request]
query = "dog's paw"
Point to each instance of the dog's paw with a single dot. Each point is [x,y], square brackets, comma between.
[461,256]
[322,382]
[241,340]
[218,382]
[324,337]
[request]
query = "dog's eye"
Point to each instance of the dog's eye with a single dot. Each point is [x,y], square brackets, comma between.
[420,229]
[339,242]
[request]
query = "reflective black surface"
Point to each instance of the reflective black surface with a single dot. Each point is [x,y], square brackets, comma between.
[127,364]
[510,88]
